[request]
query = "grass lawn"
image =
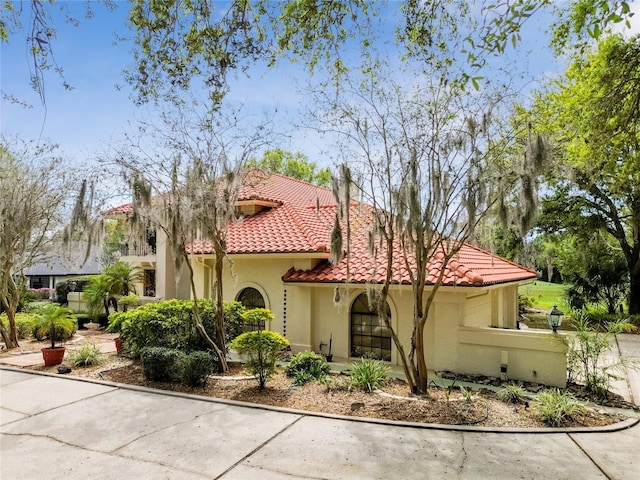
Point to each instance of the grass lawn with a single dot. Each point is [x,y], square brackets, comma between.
[545,295]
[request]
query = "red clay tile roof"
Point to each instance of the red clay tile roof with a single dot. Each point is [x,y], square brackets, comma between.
[301,222]
[471,266]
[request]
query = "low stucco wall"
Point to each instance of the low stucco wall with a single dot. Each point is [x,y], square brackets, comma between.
[529,355]
[77,304]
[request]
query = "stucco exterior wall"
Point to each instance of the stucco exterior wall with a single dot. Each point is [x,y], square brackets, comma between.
[531,356]
[458,333]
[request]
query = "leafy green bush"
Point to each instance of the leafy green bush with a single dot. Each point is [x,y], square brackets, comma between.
[197,367]
[233,321]
[512,394]
[87,354]
[166,324]
[308,362]
[558,408]
[587,349]
[24,323]
[263,348]
[369,374]
[258,318]
[524,301]
[162,364]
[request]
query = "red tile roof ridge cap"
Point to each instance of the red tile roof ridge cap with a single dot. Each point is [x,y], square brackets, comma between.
[310,236]
[285,177]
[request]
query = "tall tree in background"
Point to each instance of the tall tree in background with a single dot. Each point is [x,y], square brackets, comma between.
[33,188]
[295,165]
[595,114]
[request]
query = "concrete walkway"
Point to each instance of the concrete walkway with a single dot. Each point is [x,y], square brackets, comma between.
[59,427]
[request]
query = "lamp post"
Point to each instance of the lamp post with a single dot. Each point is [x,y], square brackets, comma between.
[554,317]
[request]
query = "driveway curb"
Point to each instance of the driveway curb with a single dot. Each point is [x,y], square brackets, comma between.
[616,427]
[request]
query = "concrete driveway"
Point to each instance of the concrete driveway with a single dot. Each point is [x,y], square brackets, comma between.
[58,427]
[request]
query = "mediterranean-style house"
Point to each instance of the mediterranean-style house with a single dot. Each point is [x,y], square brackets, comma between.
[279,258]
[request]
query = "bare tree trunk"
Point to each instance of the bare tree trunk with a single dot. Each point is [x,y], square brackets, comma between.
[10,301]
[222,354]
[219,307]
[549,269]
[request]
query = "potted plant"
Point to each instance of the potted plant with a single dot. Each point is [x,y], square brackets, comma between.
[115,326]
[56,323]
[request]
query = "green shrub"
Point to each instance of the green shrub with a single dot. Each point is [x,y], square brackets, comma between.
[301,377]
[369,374]
[196,368]
[512,394]
[162,364]
[24,323]
[308,362]
[258,319]
[233,321]
[167,324]
[587,360]
[524,301]
[87,354]
[558,408]
[263,348]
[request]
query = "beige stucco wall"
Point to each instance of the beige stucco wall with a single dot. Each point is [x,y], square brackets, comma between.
[530,355]
[458,333]
[76,303]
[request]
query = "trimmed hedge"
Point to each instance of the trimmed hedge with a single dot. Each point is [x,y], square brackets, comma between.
[161,364]
[170,324]
[168,364]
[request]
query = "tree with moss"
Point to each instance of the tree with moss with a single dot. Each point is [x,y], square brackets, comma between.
[421,158]
[33,188]
[188,190]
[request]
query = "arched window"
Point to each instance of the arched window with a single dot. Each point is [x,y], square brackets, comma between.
[369,336]
[251,298]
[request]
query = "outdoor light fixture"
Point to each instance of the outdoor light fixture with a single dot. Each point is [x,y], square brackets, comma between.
[72,286]
[554,317]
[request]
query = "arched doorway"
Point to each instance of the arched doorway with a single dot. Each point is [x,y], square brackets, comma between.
[369,336]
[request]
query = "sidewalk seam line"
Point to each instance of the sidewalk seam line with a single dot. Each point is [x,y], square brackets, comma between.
[259,447]
[570,435]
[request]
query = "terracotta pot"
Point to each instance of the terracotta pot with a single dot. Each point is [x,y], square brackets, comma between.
[119,345]
[53,356]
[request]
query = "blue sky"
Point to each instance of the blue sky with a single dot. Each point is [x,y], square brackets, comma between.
[93,117]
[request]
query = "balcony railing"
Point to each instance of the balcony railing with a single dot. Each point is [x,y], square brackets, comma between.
[135,250]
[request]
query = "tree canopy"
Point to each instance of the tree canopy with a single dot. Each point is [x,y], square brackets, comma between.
[33,187]
[295,165]
[594,115]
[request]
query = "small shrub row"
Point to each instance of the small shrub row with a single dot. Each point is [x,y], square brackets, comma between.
[31,324]
[168,364]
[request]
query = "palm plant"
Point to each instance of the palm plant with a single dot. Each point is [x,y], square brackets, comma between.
[55,322]
[123,278]
[96,294]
